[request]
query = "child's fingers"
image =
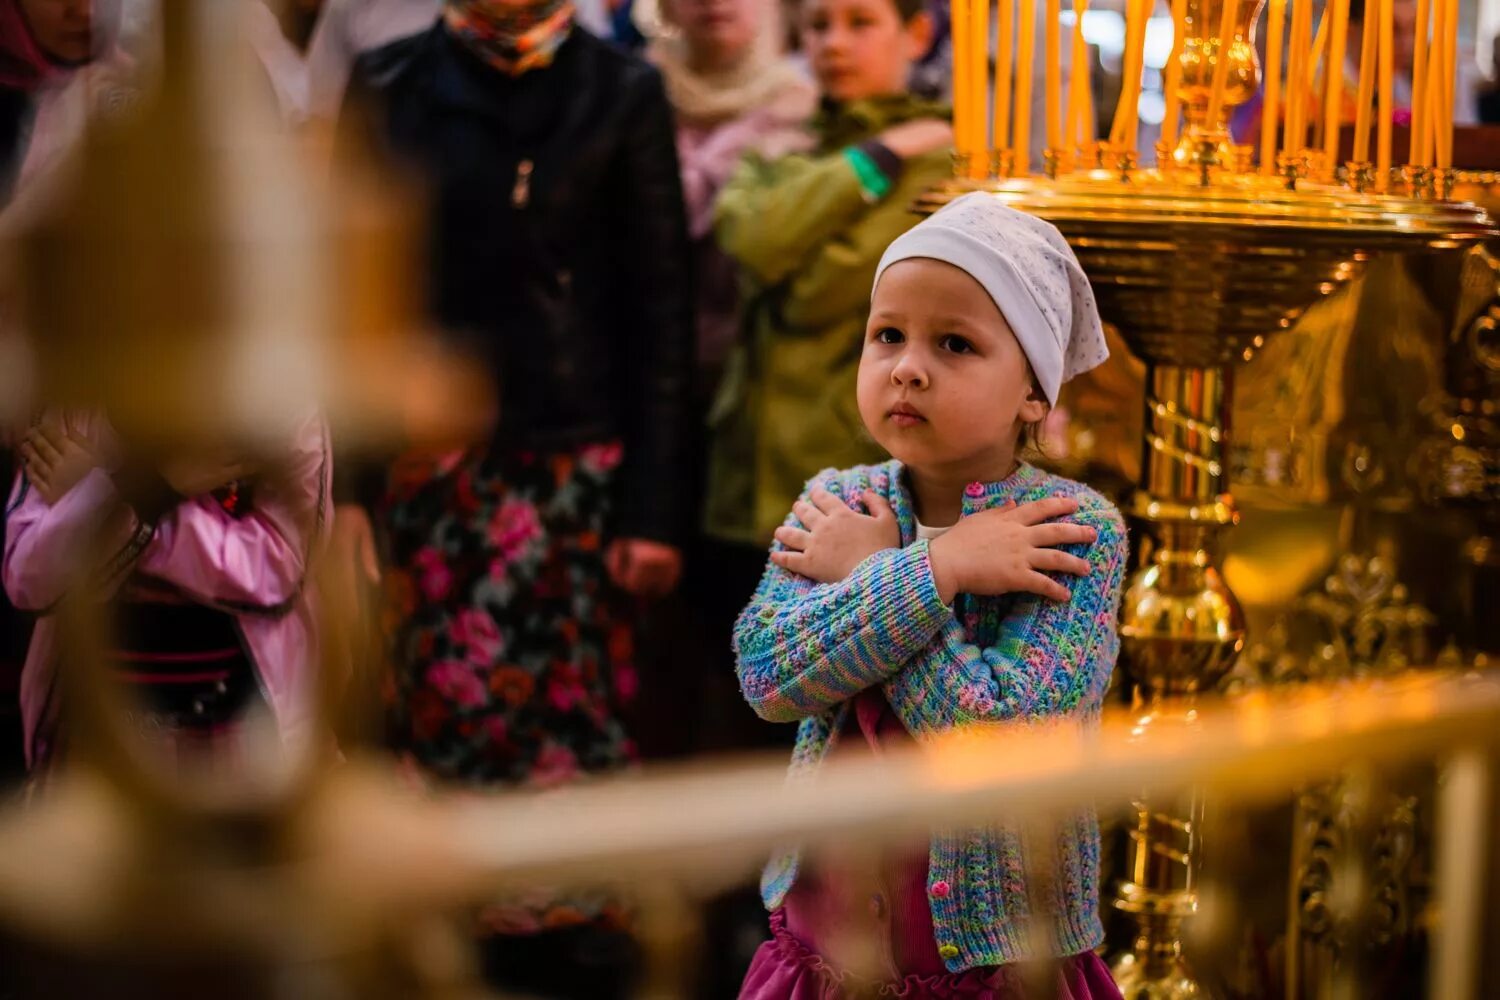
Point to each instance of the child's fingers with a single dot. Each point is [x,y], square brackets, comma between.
[1057,561]
[36,467]
[1045,586]
[1048,535]
[44,447]
[1038,511]
[826,502]
[878,506]
[793,538]
[792,562]
[807,513]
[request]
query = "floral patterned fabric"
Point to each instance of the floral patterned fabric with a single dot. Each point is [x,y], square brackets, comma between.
[511,664]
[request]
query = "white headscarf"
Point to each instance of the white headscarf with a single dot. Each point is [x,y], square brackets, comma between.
[1030,272]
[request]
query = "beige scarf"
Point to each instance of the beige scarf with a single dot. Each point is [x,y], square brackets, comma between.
[764,79]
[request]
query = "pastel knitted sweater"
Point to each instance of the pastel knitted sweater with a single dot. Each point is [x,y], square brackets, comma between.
[804,649]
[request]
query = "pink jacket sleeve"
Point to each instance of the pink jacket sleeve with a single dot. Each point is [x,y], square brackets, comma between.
[256,564]
[45,544]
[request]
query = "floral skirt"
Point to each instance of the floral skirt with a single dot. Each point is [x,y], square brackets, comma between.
[511,662]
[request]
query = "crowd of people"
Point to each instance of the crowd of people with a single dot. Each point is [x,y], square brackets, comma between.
[678,240]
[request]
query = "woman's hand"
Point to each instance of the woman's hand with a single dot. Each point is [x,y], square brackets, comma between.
[643,568]
[834,538]
[55,459]
[1010,549]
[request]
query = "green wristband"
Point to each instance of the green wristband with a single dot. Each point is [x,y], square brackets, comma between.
[872,180]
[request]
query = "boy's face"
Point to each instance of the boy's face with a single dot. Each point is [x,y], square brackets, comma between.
[861,48]
[943,383]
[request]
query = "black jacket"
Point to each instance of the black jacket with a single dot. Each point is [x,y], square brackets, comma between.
[559,248]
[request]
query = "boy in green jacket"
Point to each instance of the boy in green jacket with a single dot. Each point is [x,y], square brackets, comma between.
[807,232]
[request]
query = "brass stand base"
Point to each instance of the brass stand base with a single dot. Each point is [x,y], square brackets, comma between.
[1138,982]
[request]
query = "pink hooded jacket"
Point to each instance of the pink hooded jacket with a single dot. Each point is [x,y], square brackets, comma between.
[254,567]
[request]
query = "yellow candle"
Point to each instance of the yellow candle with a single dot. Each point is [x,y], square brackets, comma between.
[1444,136]
[1221,62]
[979,79]
[1387,94]
[1270,112]
[1296,78]
[1367,49]
[1078,79]
[961,110]
[1317,77]
[1005,47]
[1054,75]
[1421,119]
[1333,100]
[1173,80]
[1124,131]
[1027,31]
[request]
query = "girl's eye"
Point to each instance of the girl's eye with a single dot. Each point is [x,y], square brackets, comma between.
[889,335]
[818,24]
[958,345]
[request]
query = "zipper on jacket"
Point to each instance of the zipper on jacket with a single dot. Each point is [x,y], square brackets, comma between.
[520,194]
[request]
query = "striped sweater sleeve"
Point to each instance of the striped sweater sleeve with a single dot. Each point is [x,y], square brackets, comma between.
[1050,658]
[802,648]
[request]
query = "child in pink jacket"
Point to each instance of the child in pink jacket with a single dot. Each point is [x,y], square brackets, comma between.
[204,563]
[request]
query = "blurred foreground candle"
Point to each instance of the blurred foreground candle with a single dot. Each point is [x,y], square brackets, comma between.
[1449,64]
[979,85]
[1366,94]
[1024,75]
[1221,62]
[1054,75]
[1421,118]
[1080,132]
[962,112]
[1333,75]
[1270,115]
[1172,84]
[1387,94]
[1005,48]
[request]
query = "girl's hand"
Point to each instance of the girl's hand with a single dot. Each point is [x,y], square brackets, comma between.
[1008,550]
[55,459]
[835,539]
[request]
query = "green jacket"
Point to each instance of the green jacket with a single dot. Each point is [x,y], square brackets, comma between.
[807,244]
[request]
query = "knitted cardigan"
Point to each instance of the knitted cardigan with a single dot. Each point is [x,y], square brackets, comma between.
[804,649]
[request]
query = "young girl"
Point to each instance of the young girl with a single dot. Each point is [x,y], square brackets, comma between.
[952,584]
[205,559]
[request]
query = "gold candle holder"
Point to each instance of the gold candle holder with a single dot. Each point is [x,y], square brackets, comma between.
[1442,183]
[962,163]
[1056,162]
[1418,180]
[1361,175]
[1002,163]
[1291,167]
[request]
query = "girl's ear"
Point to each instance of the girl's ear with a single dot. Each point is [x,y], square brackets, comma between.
[1034,407]
[919,34]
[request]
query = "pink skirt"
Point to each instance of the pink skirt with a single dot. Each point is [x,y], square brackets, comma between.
[786,969]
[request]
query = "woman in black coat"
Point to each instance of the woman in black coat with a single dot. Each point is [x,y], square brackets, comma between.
[558,257]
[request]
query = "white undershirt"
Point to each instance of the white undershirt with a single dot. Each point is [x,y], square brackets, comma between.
[928,534]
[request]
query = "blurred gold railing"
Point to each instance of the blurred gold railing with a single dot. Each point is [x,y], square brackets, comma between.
[357,855]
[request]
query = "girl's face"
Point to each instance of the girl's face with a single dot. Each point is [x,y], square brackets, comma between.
[862,48]
[63,29]
[943,383]
[718,33]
